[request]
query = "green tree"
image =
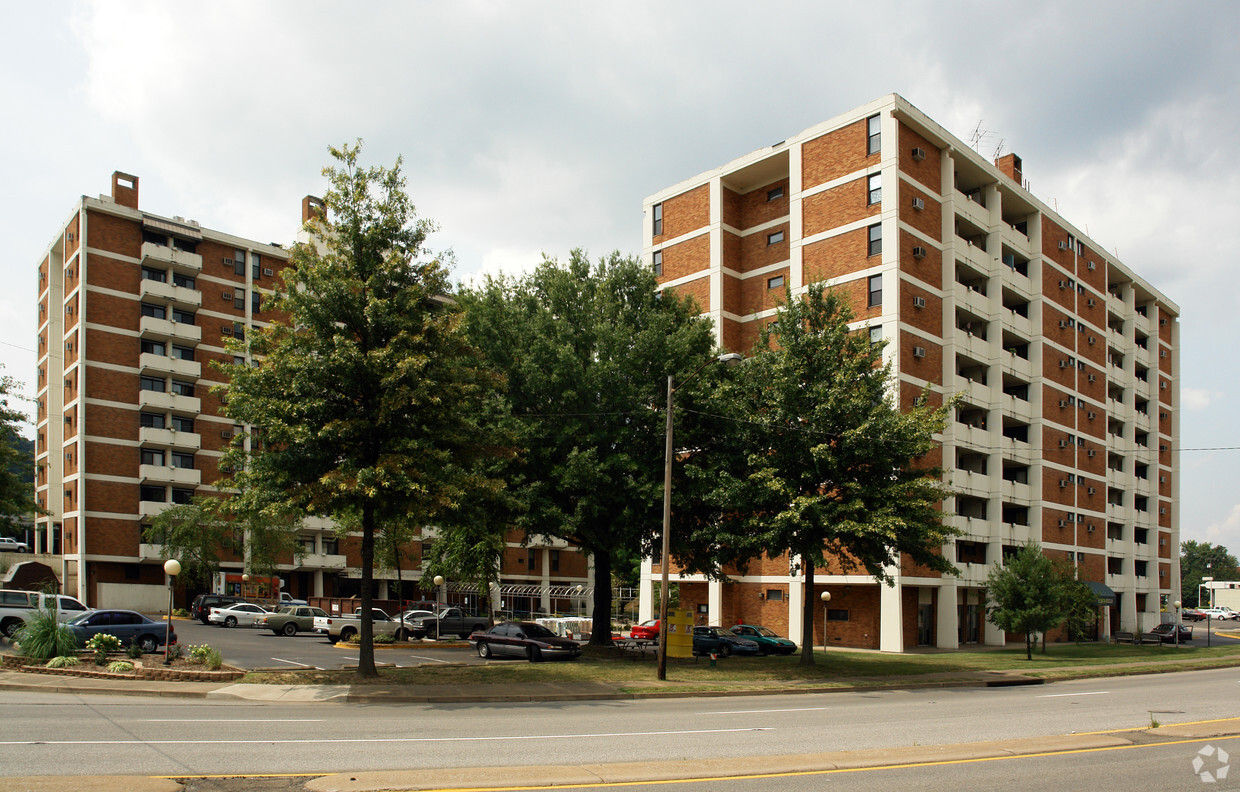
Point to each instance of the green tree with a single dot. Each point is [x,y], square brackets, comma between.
[1078,604]
[1025,594]
[814,458]
[587,350]
[366,393]
[16,460]
[1201,560]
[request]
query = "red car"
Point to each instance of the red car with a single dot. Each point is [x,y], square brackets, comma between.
[646,631]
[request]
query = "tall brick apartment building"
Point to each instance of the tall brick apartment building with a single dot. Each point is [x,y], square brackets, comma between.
[133,308]
[1066,359]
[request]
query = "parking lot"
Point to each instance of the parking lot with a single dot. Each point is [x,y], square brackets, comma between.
[252,649]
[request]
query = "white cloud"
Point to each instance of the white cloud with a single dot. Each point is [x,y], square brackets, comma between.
[1198,398]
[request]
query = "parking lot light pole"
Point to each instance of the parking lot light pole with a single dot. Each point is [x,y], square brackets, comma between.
[731,359]
[1177,604]
[173,568]
[826,597]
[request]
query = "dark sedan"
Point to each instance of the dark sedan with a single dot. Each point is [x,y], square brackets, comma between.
[129,626]
[718,641]
[523,639]
[768,641]
[1166,632]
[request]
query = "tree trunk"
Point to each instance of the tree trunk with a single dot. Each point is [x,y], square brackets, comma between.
[1028,646]
[600,633]
[807,614]
[366,649]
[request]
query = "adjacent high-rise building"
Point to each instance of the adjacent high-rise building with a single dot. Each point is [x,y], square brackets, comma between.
[133,308]
[1067,361]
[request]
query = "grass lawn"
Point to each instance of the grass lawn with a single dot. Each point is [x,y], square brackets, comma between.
[835,667]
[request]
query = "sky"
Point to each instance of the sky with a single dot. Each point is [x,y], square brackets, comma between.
[529,128]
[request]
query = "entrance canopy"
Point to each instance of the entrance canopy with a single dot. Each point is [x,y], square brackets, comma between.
[1106,596]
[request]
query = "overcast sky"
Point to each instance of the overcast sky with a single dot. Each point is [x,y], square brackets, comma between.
[528,127]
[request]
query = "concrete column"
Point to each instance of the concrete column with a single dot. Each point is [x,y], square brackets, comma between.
[891,622]
[645,594]
[796,606]
[544,599]
[714,603]
[317,585]
[947,616]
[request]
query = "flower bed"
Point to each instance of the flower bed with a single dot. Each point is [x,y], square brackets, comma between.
[150,668]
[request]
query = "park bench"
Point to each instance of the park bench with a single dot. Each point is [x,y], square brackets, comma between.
[1151,638]
[1122,637]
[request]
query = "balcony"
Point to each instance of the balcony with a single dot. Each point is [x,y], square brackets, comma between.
[971,299]
[974,346]
[973,436]
[318,524]
[154,329]
[322,561]
[162,474]
[167,438]
[1017,491]
[969,481]
[169,401]
[152,508]
[970,209]
[178,259]
[1020,324]
[163,364]
[1015,239]
[146,551]
[154,291]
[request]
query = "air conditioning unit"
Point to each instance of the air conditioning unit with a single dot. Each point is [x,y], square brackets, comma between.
[69,237]
[1162,510]
[1063,483]
[229,262]
[919,352]
[1092,266]
[1092,340]
[226,295]
[1093,378]
[919,204]
[1090,302]
[226,330]
[1092,415]
[1091,491]
[1162,541]
[1162,386]
[1092,452]
[1162,321]
[1063,443]
[1063,324]
[1063,284]
[1162,353]
[226,433]
[1162,479]
[1063,402]
[1090,529]
[1063,245]
[919,153]
[268,271]
[1162,573]
[1063,523]
[919,252]
[919,302]
[69,310]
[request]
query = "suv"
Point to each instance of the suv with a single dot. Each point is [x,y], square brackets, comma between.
[8,545]
[203,603]
[16,605]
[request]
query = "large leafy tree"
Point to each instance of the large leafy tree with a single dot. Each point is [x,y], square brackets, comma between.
[1201,560]
[366,395]
[815,459]
[1026,594]
[16,460]
[587,349]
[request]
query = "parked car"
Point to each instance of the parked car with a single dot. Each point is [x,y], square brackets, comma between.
[9,545]
[289,599]
[768,641]
[523,639]
[130,626]
[342,627]
[716,640]
[240,614]
[1193,615]
[17,605]
[1166,632]
[449,621]
[290,619]
[1220,613]
[203,603]
[646,631]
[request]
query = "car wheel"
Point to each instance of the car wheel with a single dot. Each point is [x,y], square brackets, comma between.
[148,643]
[432,633]
[534,654]
[289,628]
[465,635]
[10,627]
[347,633]
[204,620]
[484,649]
[725,650]
[21,549]
[230,621]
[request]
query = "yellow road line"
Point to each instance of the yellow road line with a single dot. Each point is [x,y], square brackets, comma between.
[1161,726]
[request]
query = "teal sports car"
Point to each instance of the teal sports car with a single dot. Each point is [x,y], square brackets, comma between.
[768,642]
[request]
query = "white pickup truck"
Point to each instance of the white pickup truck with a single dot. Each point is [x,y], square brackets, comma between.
[16,606]
[344,627]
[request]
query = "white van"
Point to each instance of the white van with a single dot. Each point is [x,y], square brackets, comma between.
[16,606]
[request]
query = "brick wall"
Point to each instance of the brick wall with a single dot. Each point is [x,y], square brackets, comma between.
[835,154]
[685,212]
[837,207]
[686,258]
[928,269]
[928,171]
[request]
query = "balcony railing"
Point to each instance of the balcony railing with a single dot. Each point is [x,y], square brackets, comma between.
[166,292]
[165,254]
[163,474]
[154,329]
[163,364]
[168,438]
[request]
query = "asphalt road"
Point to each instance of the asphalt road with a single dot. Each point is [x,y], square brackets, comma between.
[250,648]
[85,735]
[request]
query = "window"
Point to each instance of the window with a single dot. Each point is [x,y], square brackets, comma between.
[776,282]
[555,560]
[876,290]
[154,311]
[837,614]
[875,189]
[188,245]
[185,461]
[873,135]
[775,193]
[876,241]
[306,544]
[531,558]
[256,266]
[658,263]
[159,276]
[180,495]
[182,352]
[774,595]
[147,492]
[184,281]
[154,348]
[775,238]
[256,302]
[876,335]
[239,299]
[238,331]
[330,546]
[151,420]
[182,317]
[657,213]
[239,261]
[153,384]
[182,388]
[182,424]
[150,457]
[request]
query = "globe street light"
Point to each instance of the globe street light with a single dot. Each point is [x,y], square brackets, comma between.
[173,568]
[730,359]
[1177,624]
[826,597]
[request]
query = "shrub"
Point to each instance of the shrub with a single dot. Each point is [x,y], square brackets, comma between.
[120,667]
[43,637]
[206,655]
[101,644]
[174,652]
[133,651]
[385,639]
[180,612]
[63,661]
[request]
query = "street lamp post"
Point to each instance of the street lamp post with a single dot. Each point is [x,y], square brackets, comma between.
[245,585]
[826,597]
[1177,604]
[173,568]
[730,359]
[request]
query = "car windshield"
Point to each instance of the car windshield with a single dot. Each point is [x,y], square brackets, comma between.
[81,617]
[650,623]
[533,630]
[766,632]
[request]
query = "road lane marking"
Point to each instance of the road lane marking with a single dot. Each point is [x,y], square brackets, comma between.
[233,720]
[292,662]
[752,712]
[346,740]
[1063,695]
[433,659]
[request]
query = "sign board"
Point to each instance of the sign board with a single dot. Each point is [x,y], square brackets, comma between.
[255,588]
[679,632]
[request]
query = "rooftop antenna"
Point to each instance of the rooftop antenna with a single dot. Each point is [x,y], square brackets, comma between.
[999,149]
